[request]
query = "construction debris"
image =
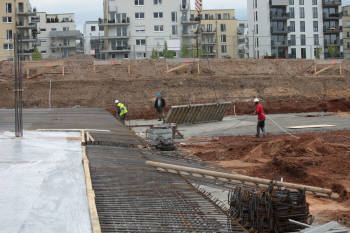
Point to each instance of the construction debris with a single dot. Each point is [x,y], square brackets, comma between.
[331,227]
[161,137]
[268,210]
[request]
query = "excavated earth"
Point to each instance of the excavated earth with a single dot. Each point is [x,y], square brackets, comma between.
[317,159]
[284,85]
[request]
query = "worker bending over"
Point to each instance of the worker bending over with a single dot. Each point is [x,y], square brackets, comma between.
[121,111]
[159,105]
[261,118]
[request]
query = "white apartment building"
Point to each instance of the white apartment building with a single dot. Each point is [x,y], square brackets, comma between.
[243,40]
[92,37]
[134,28]
[58,35]
[295,28]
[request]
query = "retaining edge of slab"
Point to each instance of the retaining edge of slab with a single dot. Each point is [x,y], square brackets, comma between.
[95,222]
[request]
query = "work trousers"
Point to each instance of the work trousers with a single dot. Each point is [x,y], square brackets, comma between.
[260,126]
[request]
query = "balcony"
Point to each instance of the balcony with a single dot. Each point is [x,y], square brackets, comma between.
[123,22]
[279,43]
[209,53]
[279,2]
[27,52]
[332,30]
[188,34]
[331,3]
[208,43]
[209,31]
[240,31]
[66,34]
[279,30]
[28,39]
[335,16]
[185,20]
[111,37]
[21,12]
[62,46]
[117,49]
[336,43]
[280,17]
[23,26]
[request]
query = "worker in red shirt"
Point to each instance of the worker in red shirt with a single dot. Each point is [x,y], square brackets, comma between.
[261,118]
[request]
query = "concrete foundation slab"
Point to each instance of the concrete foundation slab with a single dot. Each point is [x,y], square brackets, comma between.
[42,183]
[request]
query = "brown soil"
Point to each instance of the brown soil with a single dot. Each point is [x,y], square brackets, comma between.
[318,159]
[284,85]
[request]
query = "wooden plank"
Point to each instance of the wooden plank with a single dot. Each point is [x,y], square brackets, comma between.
[310,126]
[178,67]
[107,62]
[43,64]
[324,69]
[95,222]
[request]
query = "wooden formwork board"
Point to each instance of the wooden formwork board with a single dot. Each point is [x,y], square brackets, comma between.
[41,64]
[197,113]
[330,64]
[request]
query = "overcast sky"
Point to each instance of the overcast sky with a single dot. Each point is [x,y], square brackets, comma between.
[93,9]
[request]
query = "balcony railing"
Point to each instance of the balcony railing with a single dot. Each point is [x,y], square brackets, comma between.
[23,12]
[328,43]
[332,29]
[277,16]
[279,30]
[125,21]
[334,16]
[327,3]
[206,31]
[121,48]
[279,43]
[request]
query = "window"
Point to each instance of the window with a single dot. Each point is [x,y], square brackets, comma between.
[139,15]
[303,53]
[292,26]
[157,15]
[316,40]
[223,38]
[348,45]
[43,51]
[140,28]
[174,29]
[140,42]
[301,2]
[8,8]
[291,2]
[8,34]
[315,26]
[20,7]
[8,46]
[101,28]
[302,12]
[292,40]
[157,2]
[174,16]
[293,53]
[256,29]
[43,29]
[223,27]
[256,16]
[314,2]
[348,34]
[315,12]
[223,48]
[67,28]
[302,26]
[209,28]
[53,29]
[93,28]
[158,28]
[226,15]
[291,11]
[7,19]
[139,2]
[218,16]
[302,39]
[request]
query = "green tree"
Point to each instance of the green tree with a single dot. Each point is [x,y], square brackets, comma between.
[185,52]
[36,55]
[155,54]
[333,51]
[318,52]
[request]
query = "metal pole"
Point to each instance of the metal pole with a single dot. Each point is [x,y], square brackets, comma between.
[50,94]
[15,63]
[20,88]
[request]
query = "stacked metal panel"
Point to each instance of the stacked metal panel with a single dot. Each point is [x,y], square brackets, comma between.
[197,113]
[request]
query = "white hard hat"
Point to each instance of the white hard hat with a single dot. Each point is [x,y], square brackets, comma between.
[116,101]
[256,100]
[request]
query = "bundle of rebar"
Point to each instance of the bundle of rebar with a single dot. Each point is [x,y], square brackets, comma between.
[268,210]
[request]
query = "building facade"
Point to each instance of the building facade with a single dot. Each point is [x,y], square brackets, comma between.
[133,29]
[295,28]
[17,17]
[92,37]
[243,40]
[218,33]
[58,35]
[346,31]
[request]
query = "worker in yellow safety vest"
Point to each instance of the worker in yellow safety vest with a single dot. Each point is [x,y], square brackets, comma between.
[121,111]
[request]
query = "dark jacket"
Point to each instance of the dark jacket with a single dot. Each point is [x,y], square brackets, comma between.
[162,105]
